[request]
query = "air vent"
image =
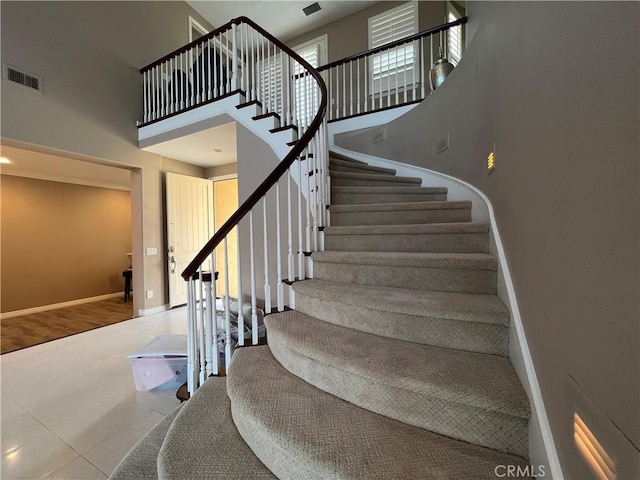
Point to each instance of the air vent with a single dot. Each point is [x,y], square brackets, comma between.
[442,144]
[21,78]
[313,8]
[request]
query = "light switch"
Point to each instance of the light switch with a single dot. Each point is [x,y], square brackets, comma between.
[152,251]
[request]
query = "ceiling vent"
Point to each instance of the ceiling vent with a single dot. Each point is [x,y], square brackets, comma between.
[313,8]
[21,78]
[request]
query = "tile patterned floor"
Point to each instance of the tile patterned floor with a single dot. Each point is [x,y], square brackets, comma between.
[69,408]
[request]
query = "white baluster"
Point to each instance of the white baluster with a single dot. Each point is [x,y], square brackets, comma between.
[301,270]
[145,99]
[254,309]
[350,88]
[240,295]
[227,309]
[430,59]
[234,58]
[358,89]
[267,287]
[309,205]
[279,284]
[192,367]
[331,94]
[344,89]
[290,258]
[208,326]
[201,323]
[212,338]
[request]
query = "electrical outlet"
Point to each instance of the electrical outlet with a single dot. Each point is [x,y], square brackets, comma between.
[149,294]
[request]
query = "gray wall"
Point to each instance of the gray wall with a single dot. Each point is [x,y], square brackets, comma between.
[349,35]
[555,87]
[89,55]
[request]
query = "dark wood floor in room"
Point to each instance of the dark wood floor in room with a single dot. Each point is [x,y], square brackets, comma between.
[28,330]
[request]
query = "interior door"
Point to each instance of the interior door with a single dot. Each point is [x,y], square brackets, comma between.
[189,206]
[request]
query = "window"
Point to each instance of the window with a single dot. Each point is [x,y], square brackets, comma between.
[314,52]
[395,68]
[454,36]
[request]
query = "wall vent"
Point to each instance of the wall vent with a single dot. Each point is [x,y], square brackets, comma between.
[21,78]
[313,8]
[379,135]
[442,143]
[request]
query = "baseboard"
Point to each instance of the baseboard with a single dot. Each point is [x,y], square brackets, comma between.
[528,376]
[150,311]
[55,306]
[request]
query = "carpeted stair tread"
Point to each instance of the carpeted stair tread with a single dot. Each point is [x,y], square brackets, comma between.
[388,194]
[417,229]
[336,165]
[339,179]
[471,261]
[140,462]
[462,237]
[467,396]
[339,156]
[474,323]
[388,190]
[401,207]
[446,305]
[299,431]
[204,443]
[486,382]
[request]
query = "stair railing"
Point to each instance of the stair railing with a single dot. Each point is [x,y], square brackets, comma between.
[388,76]
[287,211]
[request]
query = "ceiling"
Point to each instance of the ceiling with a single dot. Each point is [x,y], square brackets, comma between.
[283,19]
[289,22]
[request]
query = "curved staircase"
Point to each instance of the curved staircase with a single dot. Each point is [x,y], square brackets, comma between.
[393,365]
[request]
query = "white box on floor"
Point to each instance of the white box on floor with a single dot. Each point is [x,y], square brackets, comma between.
[161,364]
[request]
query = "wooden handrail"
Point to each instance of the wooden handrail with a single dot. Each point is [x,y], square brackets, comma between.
[280,169]
[402,41]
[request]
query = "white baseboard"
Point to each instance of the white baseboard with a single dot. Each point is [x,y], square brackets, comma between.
[55,306]
[142,312]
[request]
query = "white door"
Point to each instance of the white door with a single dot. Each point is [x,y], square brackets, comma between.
[189,203]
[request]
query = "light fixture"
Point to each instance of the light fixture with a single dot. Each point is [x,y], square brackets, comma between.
[491,162]
[593,453]
[217,150]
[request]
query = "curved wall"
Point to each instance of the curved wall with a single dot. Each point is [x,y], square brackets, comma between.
[554,86]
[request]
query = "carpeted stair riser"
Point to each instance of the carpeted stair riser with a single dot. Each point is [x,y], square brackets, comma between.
[458,394]
[337,156]
[140,462]
[203,442]
[396,271]
[343,166]
[298,431]
[349,179]
[488,338]
[369,195]
[467,238]
[349,215]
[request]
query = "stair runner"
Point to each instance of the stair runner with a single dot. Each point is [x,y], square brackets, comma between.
[393,365]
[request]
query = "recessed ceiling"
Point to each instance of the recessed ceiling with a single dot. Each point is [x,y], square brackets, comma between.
[283,19]
[206,148]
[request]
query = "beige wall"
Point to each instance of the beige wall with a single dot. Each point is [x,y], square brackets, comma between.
[349,35]
[222,170]
[565,188]
[61,241]
[89,55]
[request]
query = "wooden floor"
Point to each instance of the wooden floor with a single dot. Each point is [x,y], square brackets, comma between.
[29,330]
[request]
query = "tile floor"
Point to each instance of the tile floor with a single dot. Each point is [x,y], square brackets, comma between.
[69,408]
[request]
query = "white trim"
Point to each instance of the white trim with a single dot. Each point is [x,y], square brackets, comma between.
[193,23]
[143,312]
[55,306]
[530,372]
[62,179]
[228,176]
[323,47]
